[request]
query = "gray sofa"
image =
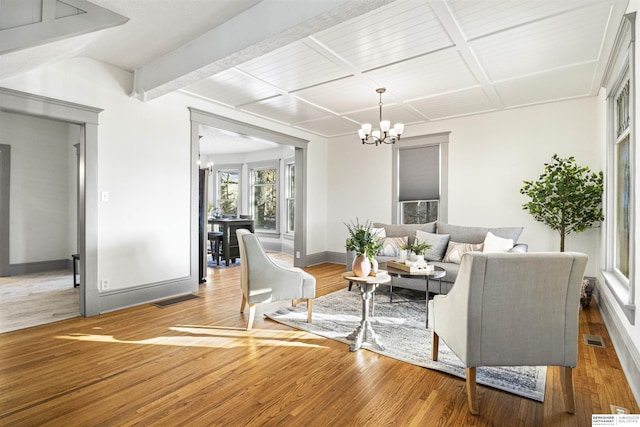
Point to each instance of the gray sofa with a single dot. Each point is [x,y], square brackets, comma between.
[438,231]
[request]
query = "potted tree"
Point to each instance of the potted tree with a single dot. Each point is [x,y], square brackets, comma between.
[365,243]
[568,198]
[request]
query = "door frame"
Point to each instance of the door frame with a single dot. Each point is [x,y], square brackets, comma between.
[200,117]
[14,101]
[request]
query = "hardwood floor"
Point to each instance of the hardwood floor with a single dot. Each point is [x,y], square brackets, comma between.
[193,364]
[35,299]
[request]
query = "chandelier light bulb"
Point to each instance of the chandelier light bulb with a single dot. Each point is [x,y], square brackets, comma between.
[385,125]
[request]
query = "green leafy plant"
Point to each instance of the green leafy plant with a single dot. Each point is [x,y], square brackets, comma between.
[417,247]
[362,239]
[567,197]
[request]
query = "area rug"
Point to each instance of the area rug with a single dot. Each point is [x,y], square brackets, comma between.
[400,327]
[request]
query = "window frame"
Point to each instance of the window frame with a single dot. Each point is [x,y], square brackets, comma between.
[288,165]
[218,186]
[264,166]
[440,139]
[620,69]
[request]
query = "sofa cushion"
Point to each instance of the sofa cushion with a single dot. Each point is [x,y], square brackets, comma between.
[401,230]
[455,250]
[391,246]
[466,234]
[438,244]
[493,243]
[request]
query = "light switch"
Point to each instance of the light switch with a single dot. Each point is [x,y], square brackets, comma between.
[104,196]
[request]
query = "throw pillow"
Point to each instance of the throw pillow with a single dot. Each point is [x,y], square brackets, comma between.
[493,243]
[438,244]
[391,246]
[455,250]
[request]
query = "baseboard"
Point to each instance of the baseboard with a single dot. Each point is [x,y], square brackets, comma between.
[335,257]
[39,267]
[123,298]
[622,342]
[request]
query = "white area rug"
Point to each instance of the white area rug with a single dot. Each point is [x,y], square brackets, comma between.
[401,329]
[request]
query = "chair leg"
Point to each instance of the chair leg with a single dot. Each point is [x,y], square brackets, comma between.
[566,381]
[244,303]
[309,309]
[435,341]
[252,316]
[472,394]
[294,302]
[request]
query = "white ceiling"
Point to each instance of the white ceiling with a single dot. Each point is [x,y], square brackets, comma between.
[437,58]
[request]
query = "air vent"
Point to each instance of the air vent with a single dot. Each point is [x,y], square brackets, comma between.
[593,340]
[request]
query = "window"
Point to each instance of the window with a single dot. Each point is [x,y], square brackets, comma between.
[419,212]
[265,198]
[291,196]
[619,241]
[228,192]
[421,183]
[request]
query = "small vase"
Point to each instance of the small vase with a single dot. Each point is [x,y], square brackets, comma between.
[361,266]
[402,255]
[374,265]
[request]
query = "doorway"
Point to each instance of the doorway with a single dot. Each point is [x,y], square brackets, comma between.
[86,118]
[202,118]
[40,182]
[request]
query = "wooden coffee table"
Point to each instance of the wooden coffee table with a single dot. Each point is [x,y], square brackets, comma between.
[365,331]
[436,273]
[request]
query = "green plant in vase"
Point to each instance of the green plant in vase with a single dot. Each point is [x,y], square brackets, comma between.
[418,248]
[366,243]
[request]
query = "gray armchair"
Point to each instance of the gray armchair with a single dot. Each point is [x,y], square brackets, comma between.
[266,280]
[508,309]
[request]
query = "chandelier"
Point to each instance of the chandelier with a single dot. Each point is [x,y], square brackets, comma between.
[384,135]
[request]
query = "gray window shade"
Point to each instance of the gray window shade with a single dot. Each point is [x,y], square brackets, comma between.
[419,173]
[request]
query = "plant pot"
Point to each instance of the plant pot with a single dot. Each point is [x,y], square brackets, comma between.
[361,266]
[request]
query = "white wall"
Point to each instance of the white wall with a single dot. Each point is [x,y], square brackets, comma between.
[144,163]
[40,193]
[489,157]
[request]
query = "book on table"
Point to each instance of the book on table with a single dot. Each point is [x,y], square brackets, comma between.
[410,267]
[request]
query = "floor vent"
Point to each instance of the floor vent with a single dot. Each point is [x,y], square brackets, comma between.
[593,340]
[175,300]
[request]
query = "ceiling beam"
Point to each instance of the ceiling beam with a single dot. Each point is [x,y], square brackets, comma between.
[90,17]
[267,26]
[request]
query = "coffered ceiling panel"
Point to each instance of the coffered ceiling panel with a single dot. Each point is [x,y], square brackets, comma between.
[232,87]
[480,17]
[464,102]
[294,67]
[286,109]
[342,96]
[571,82]
[426,75]
[330,126]
[392,33]
[556,42]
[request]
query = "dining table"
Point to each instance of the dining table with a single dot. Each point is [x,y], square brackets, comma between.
[228,226]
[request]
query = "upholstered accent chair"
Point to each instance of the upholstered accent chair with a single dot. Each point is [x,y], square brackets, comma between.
[266,280]
[512,309]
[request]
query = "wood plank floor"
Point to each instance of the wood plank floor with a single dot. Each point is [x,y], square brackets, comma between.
[193,364]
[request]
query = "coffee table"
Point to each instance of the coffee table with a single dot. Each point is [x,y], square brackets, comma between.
[436,273]
[367,287]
